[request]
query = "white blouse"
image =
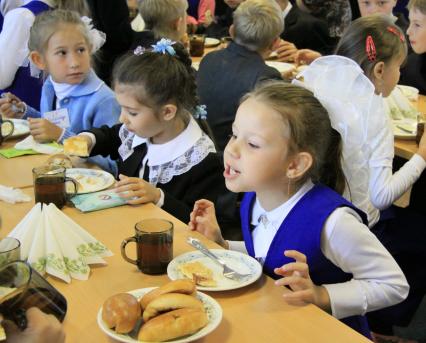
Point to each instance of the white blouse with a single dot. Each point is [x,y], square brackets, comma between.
[377,280]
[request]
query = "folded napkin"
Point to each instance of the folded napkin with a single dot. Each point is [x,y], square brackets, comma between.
[54,244]
[97,201]
[13,195]
[29,146]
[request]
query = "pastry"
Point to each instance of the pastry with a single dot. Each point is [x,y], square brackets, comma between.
[199,273]
[121,312]
[76,145]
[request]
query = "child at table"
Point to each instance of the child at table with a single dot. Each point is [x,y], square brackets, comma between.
[226,75]
[414,72]
[351,86]
[163,155]
[16,74]
[73,97]
[285,153]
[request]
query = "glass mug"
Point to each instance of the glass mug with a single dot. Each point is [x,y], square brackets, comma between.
[154,245]
[10,250]
[50,185]
[196,45]
[21,287]
[6,129]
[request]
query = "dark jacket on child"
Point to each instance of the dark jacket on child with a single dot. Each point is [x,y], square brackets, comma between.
[223,78]
[307,32]
[202,181]
[414,72]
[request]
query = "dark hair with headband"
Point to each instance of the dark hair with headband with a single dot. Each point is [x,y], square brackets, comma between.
[372,39]
[161,76]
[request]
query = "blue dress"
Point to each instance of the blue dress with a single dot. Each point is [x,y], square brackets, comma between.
[302,232]
[24,86]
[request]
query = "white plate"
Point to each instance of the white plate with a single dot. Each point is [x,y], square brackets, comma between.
[238,261]
[210,42]
[282,67]
[401,128]
[89,180]
[212,308]
[21,127]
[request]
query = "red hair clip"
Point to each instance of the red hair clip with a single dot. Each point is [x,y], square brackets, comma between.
[370,48]
[396,32]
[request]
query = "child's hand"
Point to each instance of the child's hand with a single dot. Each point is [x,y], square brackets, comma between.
[203,219]
[305,56]
[11,106]
[208,18]
[137,190]
[286,51]
[42,328]
[296,276]
[43,130]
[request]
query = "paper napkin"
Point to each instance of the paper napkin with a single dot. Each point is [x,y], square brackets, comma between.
[42,148]
[97,201]
[13,195]
[53,243]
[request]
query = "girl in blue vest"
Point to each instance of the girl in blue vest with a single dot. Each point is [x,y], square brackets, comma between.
[16,75]
[73,97]
[285,154]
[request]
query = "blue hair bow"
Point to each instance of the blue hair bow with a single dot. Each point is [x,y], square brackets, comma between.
[200,112]
[164,46]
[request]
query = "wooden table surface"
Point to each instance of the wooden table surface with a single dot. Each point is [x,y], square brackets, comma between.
[256,313]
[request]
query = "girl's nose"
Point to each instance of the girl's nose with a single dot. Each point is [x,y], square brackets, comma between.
[232,148]
[122,119]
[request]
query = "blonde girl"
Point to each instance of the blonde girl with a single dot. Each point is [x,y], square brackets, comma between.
[73,97]
[284,153]
[351,85]
[16,76]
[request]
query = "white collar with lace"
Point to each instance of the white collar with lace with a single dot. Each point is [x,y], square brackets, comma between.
[172,158]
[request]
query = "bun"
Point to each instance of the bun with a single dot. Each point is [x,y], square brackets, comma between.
[173,324]
[169,302]
[121,311]
[76,145]
[177,286]
[60,160]
[198,272]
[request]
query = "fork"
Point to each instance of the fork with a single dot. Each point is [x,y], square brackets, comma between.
[227,271]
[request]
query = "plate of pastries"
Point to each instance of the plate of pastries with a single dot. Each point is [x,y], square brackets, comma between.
[174,312]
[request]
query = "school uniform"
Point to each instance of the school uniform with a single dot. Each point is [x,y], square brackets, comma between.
[186,168]
[342,254]
[306,31]
[16,74]
[6,6]
[358,114]
[414,72]
[223,77]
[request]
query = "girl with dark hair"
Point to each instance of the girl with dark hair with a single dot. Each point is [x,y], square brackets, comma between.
[285,154]
[163,155]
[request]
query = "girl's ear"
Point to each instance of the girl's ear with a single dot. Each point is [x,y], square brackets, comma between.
[168,112]
[379,70]
[38,60]
[299,165]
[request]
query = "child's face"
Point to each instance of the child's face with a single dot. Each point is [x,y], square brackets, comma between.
[391,75]
[417,31]
[233,3]
[67,56]
[138,118]
[256,155]
[368,7]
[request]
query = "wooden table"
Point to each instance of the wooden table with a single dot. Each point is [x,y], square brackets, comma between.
[407,148]
[256,313]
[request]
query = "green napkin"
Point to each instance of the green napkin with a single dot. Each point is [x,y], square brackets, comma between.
[13,152]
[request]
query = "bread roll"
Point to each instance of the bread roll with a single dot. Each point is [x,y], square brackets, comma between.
[170,302]
[177,286]
[76,145]
[174,324]
[121,311]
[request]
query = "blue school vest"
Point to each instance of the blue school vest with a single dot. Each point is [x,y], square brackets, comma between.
[193,8]
[301,230]
[24,86]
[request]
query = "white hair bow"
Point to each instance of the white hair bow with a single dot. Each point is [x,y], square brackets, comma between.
[97,38]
